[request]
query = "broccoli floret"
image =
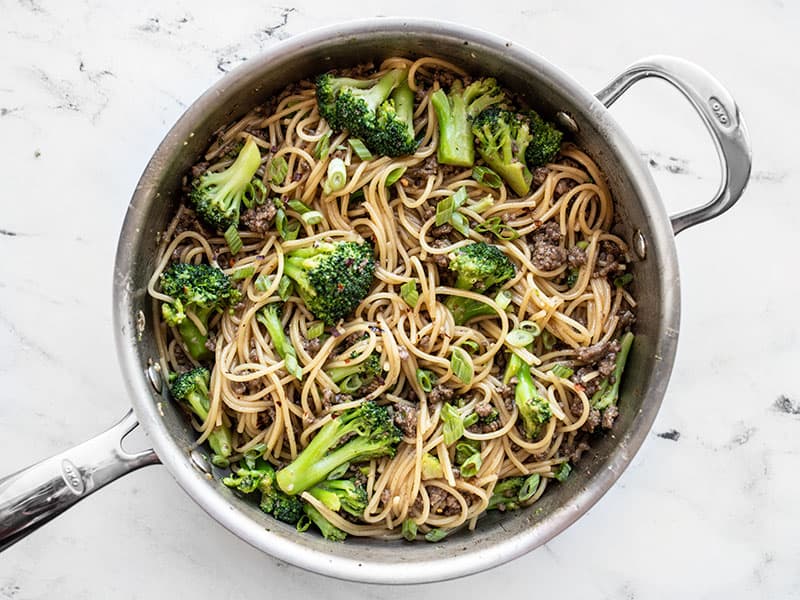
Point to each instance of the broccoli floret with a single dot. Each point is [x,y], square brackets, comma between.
[478,267]
[609,392]
[506,494]
[218,196]
[200,289]
[501,138]
[332,278]
[378,111]
[341,494]
[534,409]
[370,433]
[357,377]
[545,144]
[329,530]
[258,476]
[270,317]
[393,134]
[191,389]
[455,112]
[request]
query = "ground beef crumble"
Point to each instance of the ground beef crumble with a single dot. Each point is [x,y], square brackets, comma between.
[547,254]
[259,218]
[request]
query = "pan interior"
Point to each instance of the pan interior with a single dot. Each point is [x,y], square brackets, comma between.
[498,537]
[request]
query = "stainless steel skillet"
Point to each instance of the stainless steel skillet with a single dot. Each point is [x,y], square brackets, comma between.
[34,495]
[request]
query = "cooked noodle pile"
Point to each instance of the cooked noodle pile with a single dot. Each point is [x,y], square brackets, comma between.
[566,259]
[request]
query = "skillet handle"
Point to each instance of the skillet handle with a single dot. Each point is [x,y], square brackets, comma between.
[31,497]
[719,113]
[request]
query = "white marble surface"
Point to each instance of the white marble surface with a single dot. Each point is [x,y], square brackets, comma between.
[709,507]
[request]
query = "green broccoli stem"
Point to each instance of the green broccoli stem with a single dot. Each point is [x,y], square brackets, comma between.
[377,94]
[329,530]
[194,340]
[608,393]
[404,105]
[466,309]
[339,374]
[269,317]
[221,443]
[455,131]
[327,497]
[309,468]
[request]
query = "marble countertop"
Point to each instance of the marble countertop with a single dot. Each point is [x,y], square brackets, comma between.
[709,506]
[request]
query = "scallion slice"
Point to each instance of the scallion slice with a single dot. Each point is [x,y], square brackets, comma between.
[312,217]
[243,272]
[471,466]
[360,149]
[529,487]
[503,299]
[486,176]
[285,288]
[277,170]
[315,330]
[409,293]
[395,176]
[263,282]
[519,338]
[337,175]
[461,364]
[233,239]
[425,380]
[562,371]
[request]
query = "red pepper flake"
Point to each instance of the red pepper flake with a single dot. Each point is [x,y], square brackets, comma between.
[579,388]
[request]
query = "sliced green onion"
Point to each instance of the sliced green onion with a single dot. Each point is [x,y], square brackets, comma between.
[337,176]
[460,197]
[303,524]
[431,467]
[460,223]
[410,529]
[529,487]
[409,293]
[483,204]
[263,282]
[352,384]
[315,330]
[471,419]
[233,239]
[436,535]
[312,217]
[563,472]
[298,206]
[322,146]
[471,466]
[623,280]
[360,149]
[531,327]
[486,176]
[461,364]
[285,288]
[444,211]
[425,380]
[497,227]
[465,449]
[453,424]
[503,299]
[583,244]
[243,273]
[288,230]
[395,176]
[519,338]
[548,340]
[470,346]
[562,371]
[277,170]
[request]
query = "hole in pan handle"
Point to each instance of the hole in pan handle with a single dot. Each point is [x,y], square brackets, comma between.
[721,116]
[31,497]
